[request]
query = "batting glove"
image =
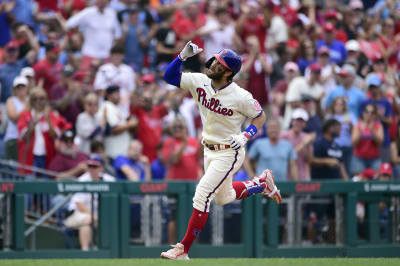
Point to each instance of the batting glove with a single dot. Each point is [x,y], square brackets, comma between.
[189,50]
[240,140]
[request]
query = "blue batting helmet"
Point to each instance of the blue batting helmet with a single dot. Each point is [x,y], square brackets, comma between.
[227,58]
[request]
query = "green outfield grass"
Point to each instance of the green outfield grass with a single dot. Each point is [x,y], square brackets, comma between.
[205,262]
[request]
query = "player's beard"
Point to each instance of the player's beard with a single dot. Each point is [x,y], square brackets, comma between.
[215,75]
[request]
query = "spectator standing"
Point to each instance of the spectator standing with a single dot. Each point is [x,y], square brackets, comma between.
[337,50]
[389,42]
[68,162]
[136,39]
[300,86]
[314,122]
[385,112]
[218,33]
[117,127]
[182,153]
[273,153]
[367,137]
[119,74]
[166,39]
[66,95]
[327,161]
[100,27]
[353,96]
[134,166]
[48,70]
[37,128]
[14,106]
[12,67]
[149,130]
[251,22]
[80,207]
[90,127]
[340,112]
[186,24]
[302,143]
[29,73]
[258,66]
[395,155]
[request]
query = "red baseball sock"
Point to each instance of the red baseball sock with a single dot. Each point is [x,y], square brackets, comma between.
[246,188]
[196,224]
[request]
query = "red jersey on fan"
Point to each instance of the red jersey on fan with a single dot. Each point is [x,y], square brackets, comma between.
[150,128]
[188,166]
[50,73]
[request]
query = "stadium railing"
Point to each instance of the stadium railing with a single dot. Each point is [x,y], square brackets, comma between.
[265,229]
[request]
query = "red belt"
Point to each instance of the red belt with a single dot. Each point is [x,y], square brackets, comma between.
[217,147]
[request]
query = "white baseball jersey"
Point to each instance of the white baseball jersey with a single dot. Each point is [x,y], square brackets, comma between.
[222,111]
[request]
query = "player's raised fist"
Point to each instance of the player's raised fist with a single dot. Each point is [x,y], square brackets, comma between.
[189,50]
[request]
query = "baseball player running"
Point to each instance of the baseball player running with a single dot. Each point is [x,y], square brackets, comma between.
[224,106]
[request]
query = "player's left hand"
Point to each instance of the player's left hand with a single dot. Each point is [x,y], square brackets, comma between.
[238,141]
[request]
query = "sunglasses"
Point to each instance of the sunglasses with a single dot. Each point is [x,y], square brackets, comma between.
[93,166]
[39,99]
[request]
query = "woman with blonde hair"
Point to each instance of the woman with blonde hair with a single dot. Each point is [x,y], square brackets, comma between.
[38,128]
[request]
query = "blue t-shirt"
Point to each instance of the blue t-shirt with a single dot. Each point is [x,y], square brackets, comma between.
[7,74]
[23,12]
[134,53]
[158,170]
[353,96]
[385,107]
[337,49]
[326,149]
[274,157]
[5,30]
[137,167]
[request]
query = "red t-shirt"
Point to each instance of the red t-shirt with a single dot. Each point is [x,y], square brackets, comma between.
[256,84]
[62,162]
[50,73]
[150,128]
[188,166]
[48,5]
[184,26]
[255,27]
[367,148]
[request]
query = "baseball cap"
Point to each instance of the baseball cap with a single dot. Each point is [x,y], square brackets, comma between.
[329,27]
[378,58]
[291,66]
[300,113]
[368,173]
[347,70]
[315,67]
[20,80]
[67,134]
[13,44]
[112,89]
[352,45]
[68,70]
[148,78]
[331,13]
[385,169]
[356,4]
[96,160]
[324,50]
[374,80]
[27,72]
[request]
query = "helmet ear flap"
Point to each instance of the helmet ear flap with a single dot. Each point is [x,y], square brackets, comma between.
[209,62]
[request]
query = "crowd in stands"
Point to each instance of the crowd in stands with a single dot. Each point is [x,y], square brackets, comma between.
[81,78]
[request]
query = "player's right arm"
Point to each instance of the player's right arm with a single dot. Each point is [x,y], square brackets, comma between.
[173,73]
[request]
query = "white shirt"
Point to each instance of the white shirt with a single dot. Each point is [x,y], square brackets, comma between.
[39,146]
[114,144]
[218,39]
[99,30]
[85,198]
[85,125]
[123,76]
[296,88]
[223,111]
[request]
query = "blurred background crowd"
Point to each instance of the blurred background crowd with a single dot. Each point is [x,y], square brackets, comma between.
[84,77]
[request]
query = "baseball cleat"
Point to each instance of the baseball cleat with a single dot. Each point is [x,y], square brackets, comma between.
[270,191]
[177,252]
